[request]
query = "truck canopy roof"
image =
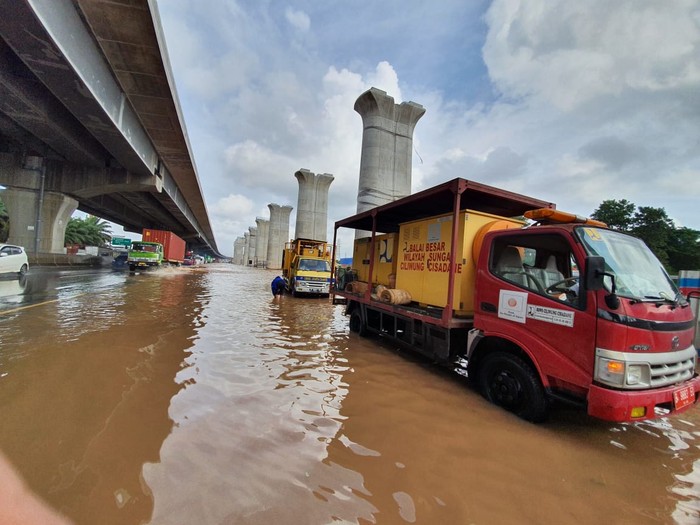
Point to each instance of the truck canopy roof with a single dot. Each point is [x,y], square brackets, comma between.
[440,200]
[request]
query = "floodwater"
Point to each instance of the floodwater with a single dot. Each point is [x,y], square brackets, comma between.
[192,396]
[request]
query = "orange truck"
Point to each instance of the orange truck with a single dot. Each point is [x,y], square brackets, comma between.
[534,305]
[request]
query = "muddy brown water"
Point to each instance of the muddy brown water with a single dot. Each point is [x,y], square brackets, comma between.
[192,396]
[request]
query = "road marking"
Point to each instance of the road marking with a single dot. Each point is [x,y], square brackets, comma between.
[13,310]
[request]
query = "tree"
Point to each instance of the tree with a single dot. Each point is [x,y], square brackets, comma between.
[618,215]
[684,249]
[91,231]
[4,222]
[654,227]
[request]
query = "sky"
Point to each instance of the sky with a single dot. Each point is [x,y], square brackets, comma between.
[569,102]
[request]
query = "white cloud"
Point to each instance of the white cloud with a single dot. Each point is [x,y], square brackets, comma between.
[232,206]
[569,53]
[298,19]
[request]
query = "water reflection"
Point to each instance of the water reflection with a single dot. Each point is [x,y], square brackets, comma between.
[85,404]
[261,403]
[12,288]
[195,397]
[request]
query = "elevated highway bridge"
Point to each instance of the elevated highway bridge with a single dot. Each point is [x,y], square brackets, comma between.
[90,120]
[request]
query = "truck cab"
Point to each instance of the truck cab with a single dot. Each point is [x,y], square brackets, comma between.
[306,267]
[144,254]
[596,315]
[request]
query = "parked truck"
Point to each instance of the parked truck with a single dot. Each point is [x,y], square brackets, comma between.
[531,303]
[306,267]
[157,247]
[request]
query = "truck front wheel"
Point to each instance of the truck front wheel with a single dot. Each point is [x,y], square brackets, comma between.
[507,381]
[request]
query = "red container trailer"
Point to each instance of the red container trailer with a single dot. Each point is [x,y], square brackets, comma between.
[173,246]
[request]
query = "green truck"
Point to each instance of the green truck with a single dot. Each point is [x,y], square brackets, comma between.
[157,247]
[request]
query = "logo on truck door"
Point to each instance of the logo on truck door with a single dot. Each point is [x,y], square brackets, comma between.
[513,306]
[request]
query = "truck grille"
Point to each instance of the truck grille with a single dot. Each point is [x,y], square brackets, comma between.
[663,374]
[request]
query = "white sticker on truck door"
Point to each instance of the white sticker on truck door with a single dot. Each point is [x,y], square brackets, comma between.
[551,315]
[512,305]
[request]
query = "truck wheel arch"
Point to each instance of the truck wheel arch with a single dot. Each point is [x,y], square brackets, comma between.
[484,345]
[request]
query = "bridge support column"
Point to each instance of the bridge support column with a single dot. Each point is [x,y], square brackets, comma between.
[56,211]
[278,234]
[252,241]
[261,241]
[387,149]
[312,205]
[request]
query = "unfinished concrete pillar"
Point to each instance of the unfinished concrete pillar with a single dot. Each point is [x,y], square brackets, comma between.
[261,241]
[387,148]
[312,205]
[252,240]
[278,234]
[238,250]
[246,249]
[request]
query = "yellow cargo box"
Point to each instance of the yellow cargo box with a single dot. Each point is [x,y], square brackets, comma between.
[384,259]
[423,257]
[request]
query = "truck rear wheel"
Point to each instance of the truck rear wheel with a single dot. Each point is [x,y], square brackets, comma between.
[357,325]
[507,381]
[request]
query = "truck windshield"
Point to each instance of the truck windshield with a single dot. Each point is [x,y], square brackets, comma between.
[638,273]
[314,265]
[138,247]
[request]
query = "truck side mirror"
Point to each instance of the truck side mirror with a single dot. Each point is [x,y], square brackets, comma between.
[595,272]
[594,276]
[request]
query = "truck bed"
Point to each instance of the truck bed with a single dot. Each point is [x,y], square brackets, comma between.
[451,197]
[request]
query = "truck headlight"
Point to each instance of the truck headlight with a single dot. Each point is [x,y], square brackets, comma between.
[611,371]
[638,375]
[634,374]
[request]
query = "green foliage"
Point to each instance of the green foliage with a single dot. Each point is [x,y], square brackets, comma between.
[616,214]
[676,248]
[91,231]
[684,249]
[4,222]
[655,228]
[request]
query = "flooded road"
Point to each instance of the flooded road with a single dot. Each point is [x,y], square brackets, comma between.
[192,396]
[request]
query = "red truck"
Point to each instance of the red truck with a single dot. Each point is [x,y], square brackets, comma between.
[560,309]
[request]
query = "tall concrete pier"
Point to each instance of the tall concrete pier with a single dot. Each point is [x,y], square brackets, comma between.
[312,205]
[246,248]
[263,226]
[387,148]
[239,250]
[278,234]
[252,240]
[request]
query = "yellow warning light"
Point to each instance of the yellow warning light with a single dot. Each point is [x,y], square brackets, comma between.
[638,412]
[552,215]
[616,367]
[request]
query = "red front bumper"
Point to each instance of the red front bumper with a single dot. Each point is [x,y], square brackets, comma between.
[616,405]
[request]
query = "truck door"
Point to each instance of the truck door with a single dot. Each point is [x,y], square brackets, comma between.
[531,294]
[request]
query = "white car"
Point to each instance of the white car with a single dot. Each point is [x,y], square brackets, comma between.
[13,259]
